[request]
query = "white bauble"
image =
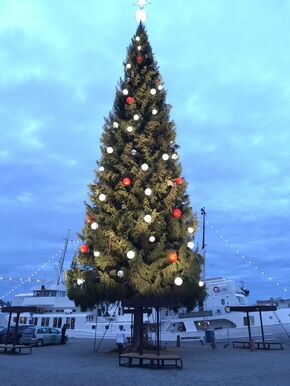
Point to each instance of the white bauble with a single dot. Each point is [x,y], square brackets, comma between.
[165,157]
[144,167]
[129,129]
[148,192]
[80,281]
[94,225]
[190,244]
[130,255]
[154,111]
[152,239]
[138,38]
[110,150]
[97,253]
[136,117]
[125,91]
[120,273]
[174,156]
[115,124]
[178,281]
[128,65]
[152,91]
[201,283]
[160,87]
[101,168]
[102,197]
[139,48]
[147,218]
[190,230]
[133,151]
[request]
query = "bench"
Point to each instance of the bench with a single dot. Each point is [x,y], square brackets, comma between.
[16,348]
[150,360]
[259,345]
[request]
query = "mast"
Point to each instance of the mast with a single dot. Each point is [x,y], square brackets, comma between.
[203,213]
[61,261]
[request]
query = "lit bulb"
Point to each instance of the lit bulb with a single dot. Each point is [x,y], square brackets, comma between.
[178,281]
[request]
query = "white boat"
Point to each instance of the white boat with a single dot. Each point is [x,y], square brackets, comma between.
[55,309]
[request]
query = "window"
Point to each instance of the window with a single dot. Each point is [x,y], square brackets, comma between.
[252,321]
[223,302]
[34,321]
[44,321]
[70,323]
[22,320]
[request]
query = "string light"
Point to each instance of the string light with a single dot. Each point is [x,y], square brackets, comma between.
[251,262]
[30,278]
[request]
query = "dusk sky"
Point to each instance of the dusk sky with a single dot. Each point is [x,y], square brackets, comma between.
[225,65]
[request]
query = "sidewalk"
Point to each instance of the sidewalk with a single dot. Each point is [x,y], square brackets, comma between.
[75,364]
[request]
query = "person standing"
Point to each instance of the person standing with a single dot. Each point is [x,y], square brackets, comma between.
[121,339]
[63,337]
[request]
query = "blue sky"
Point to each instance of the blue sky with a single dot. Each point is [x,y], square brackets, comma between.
[225,65]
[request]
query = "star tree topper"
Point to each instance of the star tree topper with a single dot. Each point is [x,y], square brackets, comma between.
[141,14]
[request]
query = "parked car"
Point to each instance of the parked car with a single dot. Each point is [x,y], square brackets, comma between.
[39,336]
[9,338]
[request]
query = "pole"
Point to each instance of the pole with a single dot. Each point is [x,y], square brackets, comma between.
[262,328]
[158,330]
[62,258]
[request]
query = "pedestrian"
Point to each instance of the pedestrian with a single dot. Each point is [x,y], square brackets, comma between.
[63,337]
[121,339]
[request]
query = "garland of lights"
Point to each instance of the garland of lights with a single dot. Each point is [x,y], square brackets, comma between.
[244,258]
[30,278]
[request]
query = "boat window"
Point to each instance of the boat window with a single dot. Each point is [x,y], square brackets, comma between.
[44,321]
[252,321]
[22,320]
[34,321]
[223,302]
[70,322]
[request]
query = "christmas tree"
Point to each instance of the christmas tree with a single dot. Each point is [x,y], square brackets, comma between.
[138,237]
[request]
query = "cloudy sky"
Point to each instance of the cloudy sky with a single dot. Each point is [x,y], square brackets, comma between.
[225,65]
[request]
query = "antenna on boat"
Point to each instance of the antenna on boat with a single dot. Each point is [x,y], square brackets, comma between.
[61,261]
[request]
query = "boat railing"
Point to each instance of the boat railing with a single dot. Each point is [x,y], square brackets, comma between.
[195,314]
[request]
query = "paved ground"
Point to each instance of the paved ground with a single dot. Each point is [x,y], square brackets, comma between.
[77,364]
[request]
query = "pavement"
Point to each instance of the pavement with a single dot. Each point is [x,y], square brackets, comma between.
[76,364]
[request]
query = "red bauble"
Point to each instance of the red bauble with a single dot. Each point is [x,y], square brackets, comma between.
[126,181]
[130,100]
[179,180]
[90,218]
[176,212]
[139,59]
[84,248]
[172,257]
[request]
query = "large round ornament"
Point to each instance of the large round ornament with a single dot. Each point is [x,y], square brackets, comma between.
[130,255]
[165,157]
[201,283]
[144,167]
[172,257]
[115,124]
[154,111]
[90,218]
[137,38]
[126,181]
[190,244]
[153,91]
[147,218]
[84,248]
[176,213]
[80,281]
[128,66]
[125,91]
[148,192]
[179,180]
[152,239]
[129,100]
[94,225]
[174,156]
[110,150]
[97,253]
[120,273]
[139,59]
[101,168]
[102,197]
[160,87]
[129,129]
[139,48]
[133,151]
[178,281]
[190,230]
[136,117]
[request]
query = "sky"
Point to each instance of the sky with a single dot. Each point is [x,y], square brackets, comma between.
[225,65]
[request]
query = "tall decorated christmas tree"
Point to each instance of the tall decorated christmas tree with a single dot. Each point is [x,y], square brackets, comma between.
[138,237]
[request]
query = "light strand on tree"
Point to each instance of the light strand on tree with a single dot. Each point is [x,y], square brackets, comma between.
[244,258]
